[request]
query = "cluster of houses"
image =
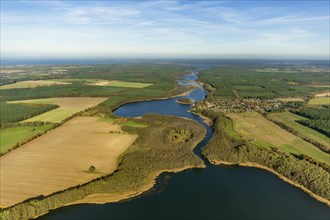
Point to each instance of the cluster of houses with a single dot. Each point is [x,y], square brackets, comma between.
[227,105]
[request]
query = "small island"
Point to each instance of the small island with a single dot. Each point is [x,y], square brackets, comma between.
[185,101]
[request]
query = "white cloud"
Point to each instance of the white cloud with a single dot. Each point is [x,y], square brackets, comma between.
[160,27]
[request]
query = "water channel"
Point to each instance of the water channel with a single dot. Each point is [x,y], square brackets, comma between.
[215,192]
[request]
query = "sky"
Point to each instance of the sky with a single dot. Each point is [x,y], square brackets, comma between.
[201,29]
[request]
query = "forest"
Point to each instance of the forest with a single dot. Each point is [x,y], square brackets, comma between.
[265,83]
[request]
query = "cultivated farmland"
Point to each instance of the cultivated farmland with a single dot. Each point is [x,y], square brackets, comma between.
[68,106]
[60,159]
[266,134]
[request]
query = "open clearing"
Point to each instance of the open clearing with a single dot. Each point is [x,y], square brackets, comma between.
[100,82]
[289,119]
[68,106]
[32,84]
[291,99]
[265,133]
[116,83]
[320,101]
[59,159]
[324,94]
[10,136]
[3,71]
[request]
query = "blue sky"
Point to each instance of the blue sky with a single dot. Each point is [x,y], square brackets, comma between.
[224,29]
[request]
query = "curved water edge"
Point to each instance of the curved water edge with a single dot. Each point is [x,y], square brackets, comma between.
[228,192]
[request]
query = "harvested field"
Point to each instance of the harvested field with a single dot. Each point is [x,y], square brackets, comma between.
[68,106]
[320,101]
[3,71]
[291,99]
[32,84]
[116,83]
[265,133]
[59,159]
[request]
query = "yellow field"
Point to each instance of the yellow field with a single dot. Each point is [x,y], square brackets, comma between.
[116,83]
[265,133]
[68,106]
[291,99]
[32,84]
[2,71]
[59,159]
[323,94]
[320,101]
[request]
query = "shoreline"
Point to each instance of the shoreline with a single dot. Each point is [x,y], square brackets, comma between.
[103,198]
[184,103]
[285,179]
[206,120]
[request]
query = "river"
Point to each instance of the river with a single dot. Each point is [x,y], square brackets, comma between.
[215,192]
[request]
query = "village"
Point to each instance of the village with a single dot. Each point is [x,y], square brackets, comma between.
[230,105]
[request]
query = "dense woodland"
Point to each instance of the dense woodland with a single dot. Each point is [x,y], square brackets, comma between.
[254,82]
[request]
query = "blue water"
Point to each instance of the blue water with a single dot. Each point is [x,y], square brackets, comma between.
[216,192]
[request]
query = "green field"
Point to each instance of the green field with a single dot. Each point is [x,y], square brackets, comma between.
[264,133]
[133,124]
[68,107]
[53,116]
[289,119]
[319,101]
[10,136]
[291,99]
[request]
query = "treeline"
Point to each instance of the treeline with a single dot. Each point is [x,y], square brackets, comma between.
[11,113]
[318,119]
[301,169]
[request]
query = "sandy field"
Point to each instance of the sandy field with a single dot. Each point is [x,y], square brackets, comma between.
[60,158]
[32,84]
